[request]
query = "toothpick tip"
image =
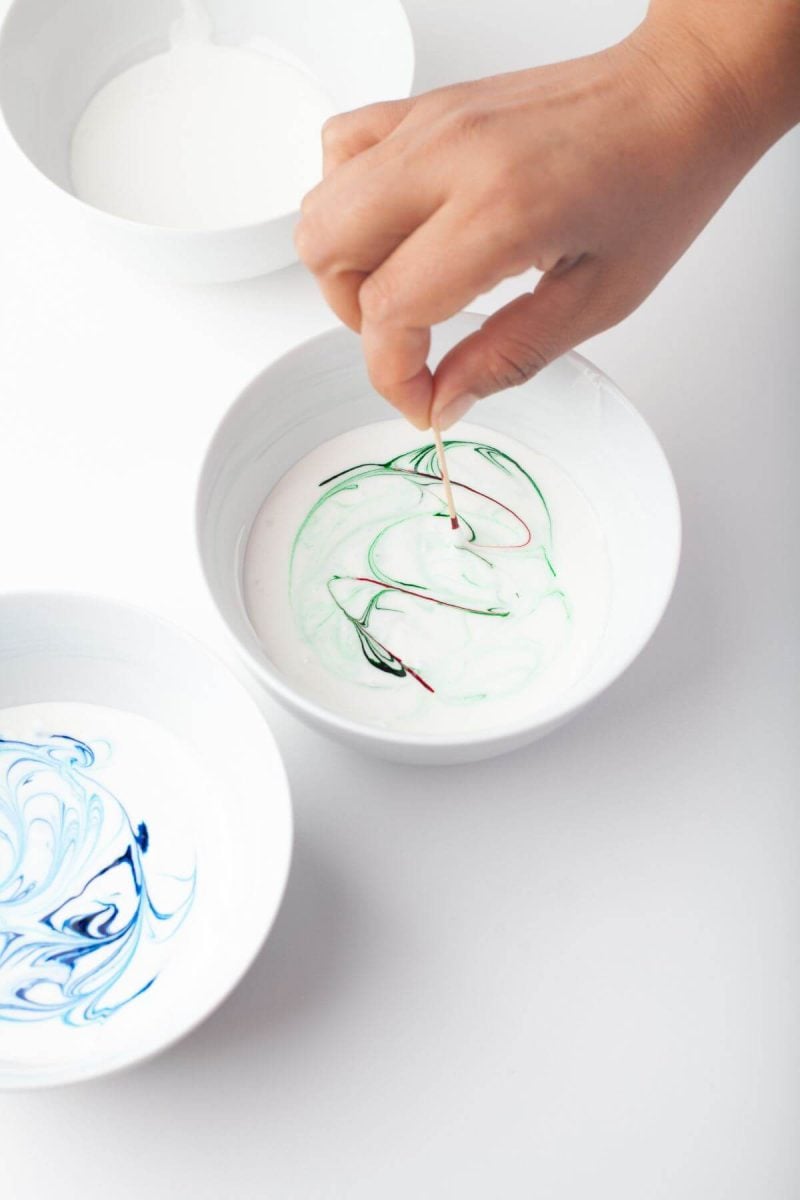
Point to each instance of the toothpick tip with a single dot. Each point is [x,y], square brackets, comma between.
[448,489]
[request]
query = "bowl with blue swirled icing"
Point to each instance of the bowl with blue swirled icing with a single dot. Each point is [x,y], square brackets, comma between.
[326,543]
[145,836]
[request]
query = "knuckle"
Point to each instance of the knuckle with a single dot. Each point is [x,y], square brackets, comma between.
[499,209]
[309,202]
[503,186]
[546,260]
[304,243]
[450,125]
[513,363]
[312,244]
[505,200]
[333,126]
[377,299]
[334,131]
[513,210]
[378,377]
[437,103]
[471,118]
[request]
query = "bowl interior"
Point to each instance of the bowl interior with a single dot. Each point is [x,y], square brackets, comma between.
[56,54]
[570,412]
[57,648]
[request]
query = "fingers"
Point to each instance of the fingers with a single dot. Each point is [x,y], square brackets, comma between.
[354,220]
[422,282]
[397,365]
[341,289]
[344,240]
[348,134]
[523,337]
[439,268]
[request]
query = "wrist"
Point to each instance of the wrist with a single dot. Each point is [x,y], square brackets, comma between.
[737,61]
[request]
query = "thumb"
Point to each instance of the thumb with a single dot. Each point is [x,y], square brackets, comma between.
[520,339]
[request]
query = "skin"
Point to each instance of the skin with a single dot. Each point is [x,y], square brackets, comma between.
[598,172]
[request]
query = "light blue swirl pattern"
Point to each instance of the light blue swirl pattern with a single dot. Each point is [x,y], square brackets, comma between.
[77,922]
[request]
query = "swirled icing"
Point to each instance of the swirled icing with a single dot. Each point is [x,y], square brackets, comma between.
[400,621]
[77,917]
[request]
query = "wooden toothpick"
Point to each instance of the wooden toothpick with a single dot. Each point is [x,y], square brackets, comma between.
[448,487]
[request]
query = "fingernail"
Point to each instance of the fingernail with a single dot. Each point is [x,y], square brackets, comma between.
[454,410]
[420,423]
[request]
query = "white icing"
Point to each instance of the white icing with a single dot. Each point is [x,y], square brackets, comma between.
[202,137]
[98,860]
[305,595]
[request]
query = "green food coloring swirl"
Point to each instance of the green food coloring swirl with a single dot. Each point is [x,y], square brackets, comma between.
[384,592]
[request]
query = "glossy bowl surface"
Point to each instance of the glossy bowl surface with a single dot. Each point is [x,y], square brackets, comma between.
[571,412]
[56,54]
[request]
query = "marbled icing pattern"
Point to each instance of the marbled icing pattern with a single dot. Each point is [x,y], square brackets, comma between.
[366,600]
[77,921]
[378,577]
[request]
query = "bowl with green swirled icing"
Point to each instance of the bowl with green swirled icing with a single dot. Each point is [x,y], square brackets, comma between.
[328,548]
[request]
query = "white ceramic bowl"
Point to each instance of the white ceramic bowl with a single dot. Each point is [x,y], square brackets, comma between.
[62,648]
[56,54]
[571,412]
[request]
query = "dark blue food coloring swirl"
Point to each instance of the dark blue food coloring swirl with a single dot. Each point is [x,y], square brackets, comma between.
[78,925]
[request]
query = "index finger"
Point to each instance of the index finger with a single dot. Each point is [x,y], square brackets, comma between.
[397,364]
[434,272]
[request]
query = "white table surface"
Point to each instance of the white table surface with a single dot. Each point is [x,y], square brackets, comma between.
[570,973]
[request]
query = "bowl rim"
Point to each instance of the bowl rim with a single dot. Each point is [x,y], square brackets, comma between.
[546,717]
[75,1074]
[179,232]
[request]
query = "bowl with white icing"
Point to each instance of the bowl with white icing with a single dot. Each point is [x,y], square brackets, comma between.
[145,835]
[187,131]
[326,544]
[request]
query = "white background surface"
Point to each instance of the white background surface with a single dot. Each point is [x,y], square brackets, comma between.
[570,973]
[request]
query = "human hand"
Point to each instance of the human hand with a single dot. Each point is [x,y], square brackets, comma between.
[598,172]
